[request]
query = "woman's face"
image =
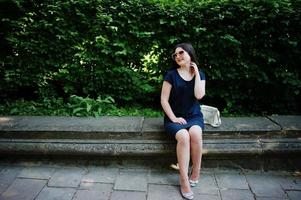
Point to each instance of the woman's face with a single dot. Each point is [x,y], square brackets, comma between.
[181,57]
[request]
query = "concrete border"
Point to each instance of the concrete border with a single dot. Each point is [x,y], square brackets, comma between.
[240,137]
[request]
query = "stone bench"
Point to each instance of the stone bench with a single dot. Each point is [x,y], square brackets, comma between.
[258,138]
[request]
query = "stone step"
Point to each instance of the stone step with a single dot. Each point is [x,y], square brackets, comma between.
[139,136]
[140,128]
[211,147]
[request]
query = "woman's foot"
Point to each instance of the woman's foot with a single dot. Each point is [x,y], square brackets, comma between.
[194,178]
[187,195]
[185,189]
[193,183]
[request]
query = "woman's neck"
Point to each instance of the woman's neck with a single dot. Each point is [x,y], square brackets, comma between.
[185,67]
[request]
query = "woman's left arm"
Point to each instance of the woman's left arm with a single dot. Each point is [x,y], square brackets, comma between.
[199,86]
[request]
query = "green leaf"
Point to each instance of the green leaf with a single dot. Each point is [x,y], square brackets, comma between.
[77,110]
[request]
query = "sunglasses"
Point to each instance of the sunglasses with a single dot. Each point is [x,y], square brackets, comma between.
[174,55]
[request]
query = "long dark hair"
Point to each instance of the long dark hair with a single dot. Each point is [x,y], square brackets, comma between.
[189,49]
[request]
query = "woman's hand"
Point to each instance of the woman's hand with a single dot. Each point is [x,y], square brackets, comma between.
[179,120]
[194,68]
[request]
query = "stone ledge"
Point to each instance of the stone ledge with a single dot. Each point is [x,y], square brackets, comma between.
[140,128]
[287,122]
[139,136]
[56,123]
[146,147]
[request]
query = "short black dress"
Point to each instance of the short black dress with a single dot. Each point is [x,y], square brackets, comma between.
[183,103]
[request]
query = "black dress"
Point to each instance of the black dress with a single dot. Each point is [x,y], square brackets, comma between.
[183,103]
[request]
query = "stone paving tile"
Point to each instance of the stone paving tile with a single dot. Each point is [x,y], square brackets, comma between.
[271,198]
[206,196]
[49,193]
[237,194]
[163,192]
[265,185]
[294,195]
[37,172]
[101,175]
[128,195]
[66,177]
[290,182]
[91,191]
[231,180]
[206,185]
[96,186]
[7,176]
[164,177]
[124,182]
[25,189]
[131,180]
[91,195]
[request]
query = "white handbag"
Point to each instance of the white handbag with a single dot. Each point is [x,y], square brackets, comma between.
[211,115]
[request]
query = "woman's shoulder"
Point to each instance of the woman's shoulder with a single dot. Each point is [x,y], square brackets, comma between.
[171,71]
[170,75]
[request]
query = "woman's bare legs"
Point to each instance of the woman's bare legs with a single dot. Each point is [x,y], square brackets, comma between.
[183,156]
[196,145]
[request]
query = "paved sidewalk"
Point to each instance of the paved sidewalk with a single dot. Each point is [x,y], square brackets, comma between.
[43,181]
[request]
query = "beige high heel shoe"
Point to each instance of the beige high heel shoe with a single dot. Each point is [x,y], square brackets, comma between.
[193,183]
[187,195]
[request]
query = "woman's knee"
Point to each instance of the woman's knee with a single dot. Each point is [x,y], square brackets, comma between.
[195,133]
[182,136]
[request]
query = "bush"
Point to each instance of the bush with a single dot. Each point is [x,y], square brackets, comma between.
[249,50]
[75,106]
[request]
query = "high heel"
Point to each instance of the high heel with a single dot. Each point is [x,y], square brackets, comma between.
[187,195]
[193,183]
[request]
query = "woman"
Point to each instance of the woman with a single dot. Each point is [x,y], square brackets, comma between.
[182,87]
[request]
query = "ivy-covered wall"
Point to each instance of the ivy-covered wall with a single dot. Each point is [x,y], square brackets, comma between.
[249,50]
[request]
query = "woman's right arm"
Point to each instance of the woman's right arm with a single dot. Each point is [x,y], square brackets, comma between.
[165,93]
